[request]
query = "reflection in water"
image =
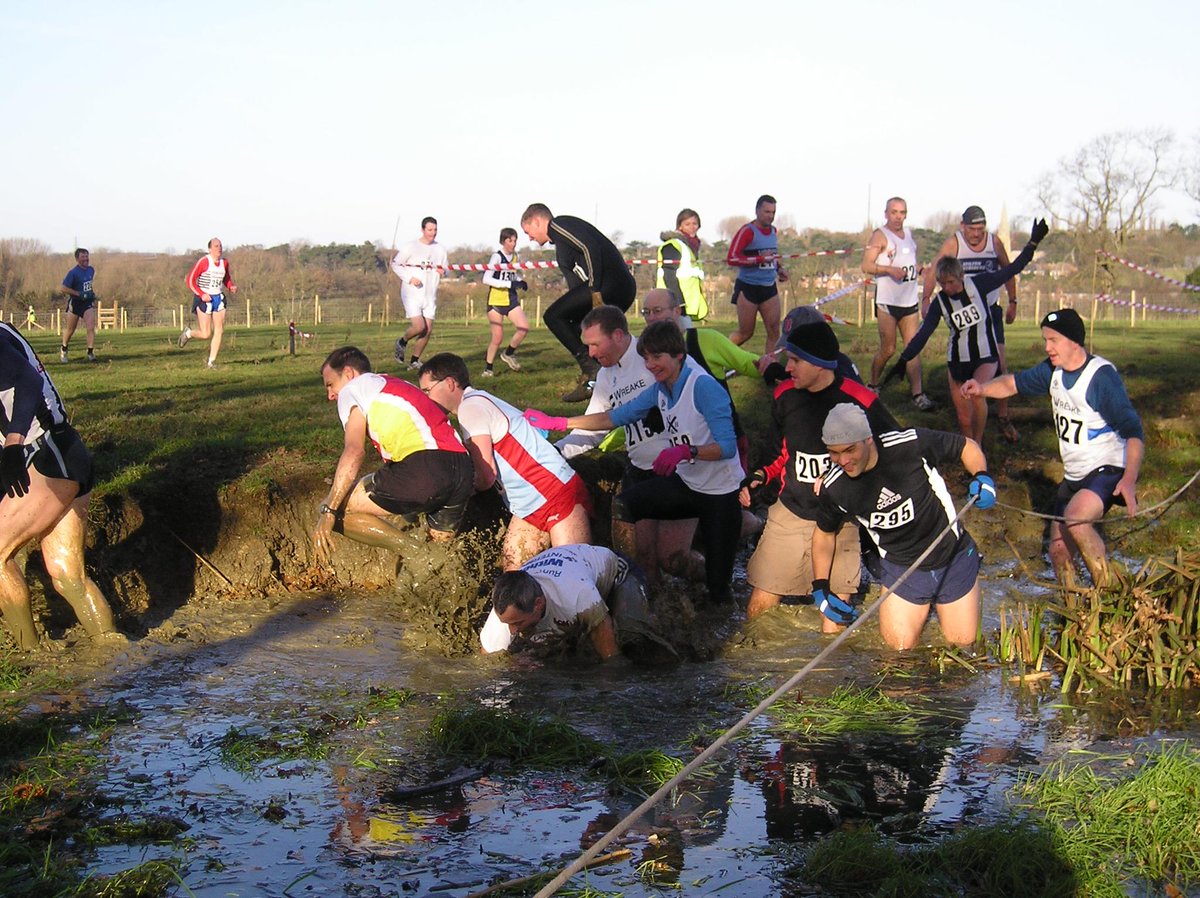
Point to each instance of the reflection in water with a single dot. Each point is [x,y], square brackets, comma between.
[331,821]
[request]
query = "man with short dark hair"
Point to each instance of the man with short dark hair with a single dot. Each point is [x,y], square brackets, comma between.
[569,589]
[548,500]
[820,377]
[754,252]
[426,468]
[980,252]
[1100,439]
[596,274]
[81,305]
[420,266]
[46,482]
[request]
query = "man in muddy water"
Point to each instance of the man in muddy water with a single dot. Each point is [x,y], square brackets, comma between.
[622,376]
[819,377]
[569,589]
[1100,438]
[548,500]
[889,482]
[426,467]
[45,485]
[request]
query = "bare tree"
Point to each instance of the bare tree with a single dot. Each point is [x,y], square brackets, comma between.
[943,221]
[1107,189]
[728,226]
[1191,170]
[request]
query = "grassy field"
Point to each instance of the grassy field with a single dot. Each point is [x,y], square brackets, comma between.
[157,420]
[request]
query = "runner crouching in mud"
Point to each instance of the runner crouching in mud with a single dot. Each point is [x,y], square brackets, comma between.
[426,469]
[571,590]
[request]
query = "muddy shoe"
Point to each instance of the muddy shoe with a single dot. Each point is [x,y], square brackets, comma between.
[1009,432]
[582,391]
[511,361]
[184,336]
[924,403]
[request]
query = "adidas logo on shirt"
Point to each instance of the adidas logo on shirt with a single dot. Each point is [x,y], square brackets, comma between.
[886,498]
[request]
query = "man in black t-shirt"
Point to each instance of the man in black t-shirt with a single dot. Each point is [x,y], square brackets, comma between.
[889,482]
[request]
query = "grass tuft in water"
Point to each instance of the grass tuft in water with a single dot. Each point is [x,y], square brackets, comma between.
[148,880]
[482,734]
[243,752]
[997,861]
[848,709]
[646,767]
[1116,829]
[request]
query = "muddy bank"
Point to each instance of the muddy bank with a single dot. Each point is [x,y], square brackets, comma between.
[154,551]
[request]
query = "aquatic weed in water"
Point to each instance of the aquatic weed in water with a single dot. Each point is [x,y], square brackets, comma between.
[849,709]
[483,734]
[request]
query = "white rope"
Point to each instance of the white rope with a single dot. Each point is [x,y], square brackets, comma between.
[580,862]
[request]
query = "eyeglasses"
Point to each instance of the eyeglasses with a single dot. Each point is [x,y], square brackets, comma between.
[429,389]
[646,313]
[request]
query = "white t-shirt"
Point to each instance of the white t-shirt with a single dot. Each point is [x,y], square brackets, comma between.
[574,580]
[419,260]
[616,385]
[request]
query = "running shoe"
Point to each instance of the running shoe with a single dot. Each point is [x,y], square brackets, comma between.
[62,356]
[1008,431]
[414,365]
[211,365]
[488,372]
[511,361]
[399,351]
[91,356]
[184,336]
[924,403]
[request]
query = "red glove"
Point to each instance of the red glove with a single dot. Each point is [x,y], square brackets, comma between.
[668,460]
[542,421]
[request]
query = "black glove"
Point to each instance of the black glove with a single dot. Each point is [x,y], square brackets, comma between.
[775,374]
[757,477]
[521,285]
[1039,231]
[14,476]
[895,372]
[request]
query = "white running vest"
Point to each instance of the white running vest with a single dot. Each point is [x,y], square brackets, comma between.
[684,424]
[979,261]
[1085,440]
[901,252]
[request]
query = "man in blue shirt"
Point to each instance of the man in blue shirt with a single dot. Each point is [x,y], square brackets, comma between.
[81,304]
[1100,438]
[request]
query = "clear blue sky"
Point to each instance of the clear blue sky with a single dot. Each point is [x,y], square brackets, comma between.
[156,125]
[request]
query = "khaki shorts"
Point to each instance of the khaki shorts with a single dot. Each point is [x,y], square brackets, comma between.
[782,563]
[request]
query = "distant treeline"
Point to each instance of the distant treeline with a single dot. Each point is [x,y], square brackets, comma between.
[30,273]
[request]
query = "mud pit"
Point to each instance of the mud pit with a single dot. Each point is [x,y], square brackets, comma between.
[338,686]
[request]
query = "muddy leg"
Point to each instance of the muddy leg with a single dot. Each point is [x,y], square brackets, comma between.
[62,554]
[372,530]
[14,601]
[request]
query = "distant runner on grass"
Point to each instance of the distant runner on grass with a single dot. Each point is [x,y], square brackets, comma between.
[210,277]
[754,251]
[81,304]
[420,266]
[504,301]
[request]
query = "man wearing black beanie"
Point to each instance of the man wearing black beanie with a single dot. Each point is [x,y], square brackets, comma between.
[1100,439]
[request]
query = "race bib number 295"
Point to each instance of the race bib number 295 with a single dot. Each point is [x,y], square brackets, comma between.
[894,517]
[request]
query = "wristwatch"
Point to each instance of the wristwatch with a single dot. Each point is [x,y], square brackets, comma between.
[694,449]
[325,509]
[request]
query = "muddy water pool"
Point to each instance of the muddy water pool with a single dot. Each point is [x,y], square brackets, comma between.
[337,671]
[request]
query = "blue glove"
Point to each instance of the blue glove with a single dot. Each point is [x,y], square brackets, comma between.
[831,606]
[982,490]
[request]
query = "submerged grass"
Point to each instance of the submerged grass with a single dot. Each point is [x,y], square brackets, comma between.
[244,751]
[849,709]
